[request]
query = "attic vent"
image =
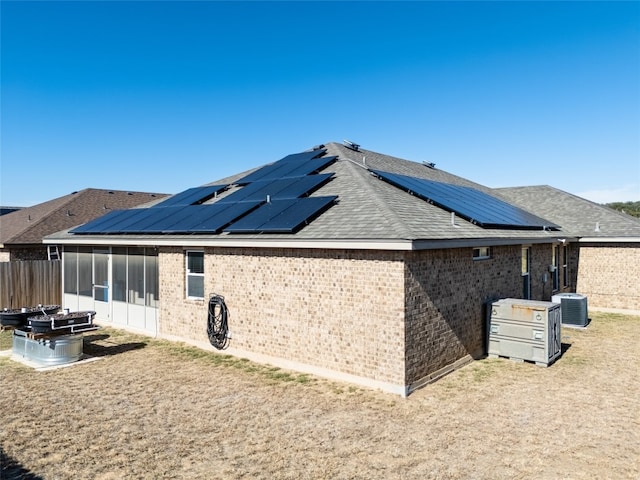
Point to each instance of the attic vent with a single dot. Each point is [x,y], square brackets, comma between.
[318,147]
[351,145]
[429,164]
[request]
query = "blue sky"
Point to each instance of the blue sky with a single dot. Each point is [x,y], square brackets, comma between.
[163,96]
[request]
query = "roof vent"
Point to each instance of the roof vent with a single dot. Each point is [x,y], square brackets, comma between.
[429,164]
[352,146]
[318,147]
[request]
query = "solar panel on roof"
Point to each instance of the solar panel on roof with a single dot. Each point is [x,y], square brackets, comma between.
[303,156]
[281,216]
[312,166]
[277,189]
[108,222]
[288,168]
[210,218]
[155,220]
[471,204]
[177,219]
[298,214]
[192,196]
[87,227]
[252,222]
[270,199]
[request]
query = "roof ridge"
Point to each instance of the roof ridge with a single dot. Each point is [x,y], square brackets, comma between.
[399,226]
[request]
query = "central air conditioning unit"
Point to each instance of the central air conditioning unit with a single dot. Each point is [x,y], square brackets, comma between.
[573,307]
[525,330]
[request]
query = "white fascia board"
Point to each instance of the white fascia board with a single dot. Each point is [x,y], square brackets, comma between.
[484,242]
[338,244]
[609,240]
[236,243]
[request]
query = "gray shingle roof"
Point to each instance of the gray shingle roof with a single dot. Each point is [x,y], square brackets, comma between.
[28,226]
[579,217]
[368,210]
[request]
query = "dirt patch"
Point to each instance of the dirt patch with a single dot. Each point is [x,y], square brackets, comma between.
[154,409]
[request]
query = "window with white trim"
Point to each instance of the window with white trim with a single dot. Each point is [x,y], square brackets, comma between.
[565,266]
[481,253]
[195,273]
[526,272]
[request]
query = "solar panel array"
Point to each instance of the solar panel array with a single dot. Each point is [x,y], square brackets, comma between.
[293,187]
[281,216]
[473,205]
[273,199]
[178,219]
[192,196]
[296,165]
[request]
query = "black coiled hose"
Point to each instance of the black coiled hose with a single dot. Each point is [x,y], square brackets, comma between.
[217,327]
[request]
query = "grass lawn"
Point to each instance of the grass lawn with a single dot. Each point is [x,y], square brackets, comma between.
[150,409]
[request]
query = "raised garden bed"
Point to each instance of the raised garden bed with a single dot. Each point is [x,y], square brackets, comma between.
[61,322]
[18,316]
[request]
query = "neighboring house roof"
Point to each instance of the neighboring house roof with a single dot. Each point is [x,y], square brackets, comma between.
[28,226]
[369,213]
[579,217]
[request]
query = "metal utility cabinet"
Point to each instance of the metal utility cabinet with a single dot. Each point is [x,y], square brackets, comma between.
[525,330]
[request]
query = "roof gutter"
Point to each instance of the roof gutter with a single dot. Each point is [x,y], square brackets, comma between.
[487,242]
[609,240]
[337,244]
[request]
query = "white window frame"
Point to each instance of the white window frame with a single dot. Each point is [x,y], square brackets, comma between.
[565,266]
[526,271]
[189,274]
[481,253]
[555,273]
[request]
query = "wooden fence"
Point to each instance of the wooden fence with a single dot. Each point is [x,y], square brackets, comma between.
[29,283]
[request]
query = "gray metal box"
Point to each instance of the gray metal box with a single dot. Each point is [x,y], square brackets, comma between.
[573,307]
[525,330]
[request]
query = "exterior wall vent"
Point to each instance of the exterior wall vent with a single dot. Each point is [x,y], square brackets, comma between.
[574,308]
[525,330]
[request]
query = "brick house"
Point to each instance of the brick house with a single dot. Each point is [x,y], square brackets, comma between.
[22,230]
[607,244]
[363,276]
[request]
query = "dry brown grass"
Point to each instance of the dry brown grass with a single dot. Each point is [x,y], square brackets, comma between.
[154,409]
